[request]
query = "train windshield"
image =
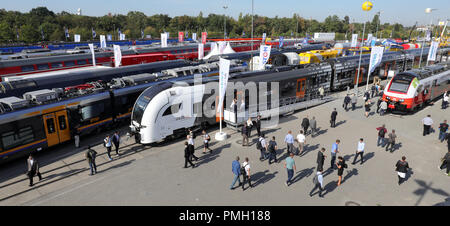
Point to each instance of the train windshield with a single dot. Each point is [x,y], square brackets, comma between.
[139,108]
[401,82]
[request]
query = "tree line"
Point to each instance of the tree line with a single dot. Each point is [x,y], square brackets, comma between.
[43,25]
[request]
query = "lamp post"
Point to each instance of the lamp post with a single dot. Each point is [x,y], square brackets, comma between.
[251,65]
[367,6]
[379,21]
[428,11]
[224,23]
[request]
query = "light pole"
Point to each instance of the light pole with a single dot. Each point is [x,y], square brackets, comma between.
[251,65]
[224,23]
[367,6]
[428,11]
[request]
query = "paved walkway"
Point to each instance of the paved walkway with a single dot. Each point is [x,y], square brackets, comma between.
[155,175]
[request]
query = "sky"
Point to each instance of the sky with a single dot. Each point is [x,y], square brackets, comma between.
[406,12]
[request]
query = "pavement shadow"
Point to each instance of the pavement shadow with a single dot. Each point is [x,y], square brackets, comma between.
[444,203]
[366,157]
[302,174]
[425,187]
[262,177]
[347,158]
[63,174]
[122,164]
[320,132]
[309,148]
[340,123]
[396,147]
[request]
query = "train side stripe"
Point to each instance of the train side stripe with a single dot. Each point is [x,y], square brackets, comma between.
[20,148]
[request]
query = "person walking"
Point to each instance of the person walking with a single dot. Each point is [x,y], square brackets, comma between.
[246,173]
[90,157]
[289,140]
[116,141]
[191,146]
[427,125]
[391,141]
[333,118]
[273,150]
[187,155]
[33,169]
[447,138]
[446,162]
[289,164]
[367,108]
[443,127]
[233,106]
[347,101]
[378,104]
[76,137]
[334,151]
[360,151]
[249,127]
[261,145]
[341,166]
[383,108]
[244,135]
[301,140]
[236,169]
[206,140]
[445,100]
[320,159]
[305,125]
[313,125]
[354,101]
[257,124]
[318,183]
[366,96]
[402,168]
[381,134]
[107,143]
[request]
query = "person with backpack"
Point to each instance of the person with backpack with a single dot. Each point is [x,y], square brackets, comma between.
[347,101]
[206,140]
[318,183]
[305,125]
[90,157]
[245,171]
[289,164]
[273,150]
[341,165]
[391,141]
[116,141]
[107,144]
[261,145]
[236,169]
[301,140]
[381,134]
[402,167]
[443,127]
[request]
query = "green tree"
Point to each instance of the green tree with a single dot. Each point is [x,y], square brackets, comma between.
[29,34]
[6,33]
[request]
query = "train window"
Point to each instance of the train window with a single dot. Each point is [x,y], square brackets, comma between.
[169,110]
[69,63]
[43,66]
[13,139]
[62,122]
[81,62]
[92,111]
[27,68]
[57,65]
[50,125]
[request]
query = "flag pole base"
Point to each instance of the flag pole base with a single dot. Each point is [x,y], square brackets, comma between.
[221,136]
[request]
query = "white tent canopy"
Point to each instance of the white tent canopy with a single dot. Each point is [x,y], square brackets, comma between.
[216,51]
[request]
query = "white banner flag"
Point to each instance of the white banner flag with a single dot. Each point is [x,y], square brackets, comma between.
[102,41]
[91,46]
[222,46]
[117,56]
[224,72]
[194,36]
[375,57]
[264,55]
[77,38]
[163,39]
[369,39]
[201,52]
[264,38]
[354,40]
[433,51]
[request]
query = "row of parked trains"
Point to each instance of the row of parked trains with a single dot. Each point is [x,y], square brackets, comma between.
[56,108]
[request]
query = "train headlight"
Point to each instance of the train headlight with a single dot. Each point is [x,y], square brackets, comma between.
[388,98]
[402,100]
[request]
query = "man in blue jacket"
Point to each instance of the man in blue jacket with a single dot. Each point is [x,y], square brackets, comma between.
[236,168]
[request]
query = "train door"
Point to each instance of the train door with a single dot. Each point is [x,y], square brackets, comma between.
[50,129]
[301,87]
[63,126]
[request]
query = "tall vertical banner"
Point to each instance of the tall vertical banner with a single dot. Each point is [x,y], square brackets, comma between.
[433,51]
[264,38]
[264,55]
[117,55]
[163,39]
[204,36]
[201,51]
[194,36]
[222,46]
[375,57]
[109,37]
[91,46]
[354,40]
[281,41]
[224,72]
[180,36]
[369,39]
[77,38]
[102,41]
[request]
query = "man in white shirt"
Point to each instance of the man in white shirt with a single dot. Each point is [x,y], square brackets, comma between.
[427,125]
[301,139]
[383,108]
[246,178]
[318,183]
[445,101]
[264,147]
[360,151]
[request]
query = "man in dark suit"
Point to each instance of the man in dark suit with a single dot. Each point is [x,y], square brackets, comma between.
[333,118]
[90,157]
[244,135]
[33,169]
[320,160]
[116,141]
[305,125]
[257,124]
[187,155]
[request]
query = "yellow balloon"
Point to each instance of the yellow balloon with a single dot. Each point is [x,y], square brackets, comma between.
[367,6]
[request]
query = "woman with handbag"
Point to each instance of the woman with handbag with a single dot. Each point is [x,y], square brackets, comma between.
[33,169]
[402,169]
[206,140]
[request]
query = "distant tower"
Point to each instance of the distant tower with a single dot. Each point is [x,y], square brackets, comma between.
[79,12]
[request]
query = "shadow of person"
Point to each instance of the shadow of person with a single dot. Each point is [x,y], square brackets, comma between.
[396,147]
[308,149]
[330,187]
[262,177]
[302,174]
[349,174]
